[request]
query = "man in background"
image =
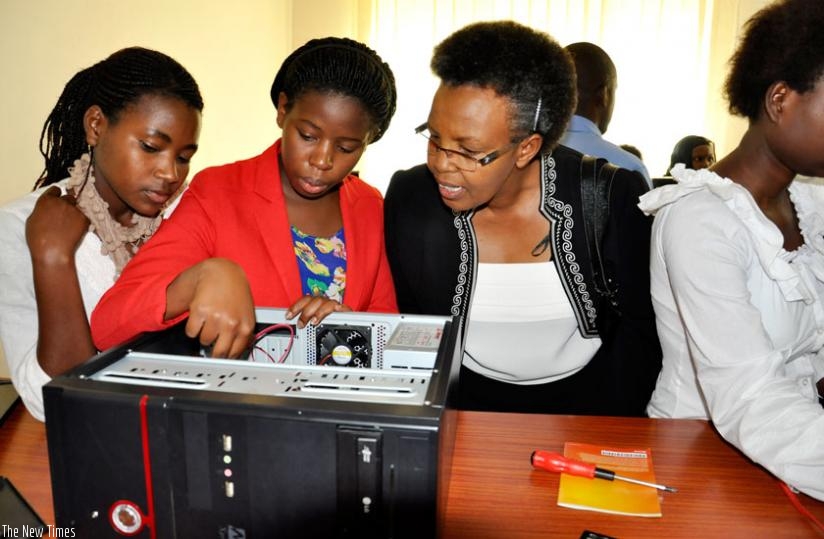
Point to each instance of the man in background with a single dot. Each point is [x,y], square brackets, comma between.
[597,80]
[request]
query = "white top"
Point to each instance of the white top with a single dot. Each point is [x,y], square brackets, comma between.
[741,320]
[522,328]
[18,308]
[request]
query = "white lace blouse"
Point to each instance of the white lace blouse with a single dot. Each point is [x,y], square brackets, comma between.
[741,320]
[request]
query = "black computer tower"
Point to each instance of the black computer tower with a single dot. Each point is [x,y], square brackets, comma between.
[152,439]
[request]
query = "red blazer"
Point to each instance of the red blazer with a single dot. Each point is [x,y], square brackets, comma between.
[237,211]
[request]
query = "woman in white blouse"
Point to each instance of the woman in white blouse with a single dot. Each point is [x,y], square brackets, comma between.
[737,263]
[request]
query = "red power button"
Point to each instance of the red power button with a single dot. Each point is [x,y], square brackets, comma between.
[126,517]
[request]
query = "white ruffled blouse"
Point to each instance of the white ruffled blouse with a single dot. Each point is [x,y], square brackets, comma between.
[741,320]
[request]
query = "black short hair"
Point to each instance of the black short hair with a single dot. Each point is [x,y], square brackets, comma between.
[593,68]
[519,63]
[343,66]
[633,150]
[112,84]
[782,42]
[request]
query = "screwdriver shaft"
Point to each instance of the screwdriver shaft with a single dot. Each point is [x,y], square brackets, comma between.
[646,484]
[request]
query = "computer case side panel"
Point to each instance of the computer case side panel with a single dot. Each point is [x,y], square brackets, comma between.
[103,450]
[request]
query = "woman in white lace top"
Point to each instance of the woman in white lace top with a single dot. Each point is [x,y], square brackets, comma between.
[117,146]
[737,262]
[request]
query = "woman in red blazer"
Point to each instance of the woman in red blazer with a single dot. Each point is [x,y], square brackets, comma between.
[290,228]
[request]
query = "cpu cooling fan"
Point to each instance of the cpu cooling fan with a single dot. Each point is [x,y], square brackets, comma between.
[345,346]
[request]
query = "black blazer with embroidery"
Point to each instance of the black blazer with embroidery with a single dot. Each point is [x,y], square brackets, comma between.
[433,255]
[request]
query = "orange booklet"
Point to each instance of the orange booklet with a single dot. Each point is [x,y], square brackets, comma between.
[617,497]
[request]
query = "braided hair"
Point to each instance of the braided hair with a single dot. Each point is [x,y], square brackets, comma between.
[112,84]
[342,66]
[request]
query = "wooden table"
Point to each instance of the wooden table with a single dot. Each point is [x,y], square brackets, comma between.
[495,493]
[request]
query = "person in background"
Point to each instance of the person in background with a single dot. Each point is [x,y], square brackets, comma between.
[596,83]
[738,259]
[117,148]
[492,229]
[696,152]
[290,228]
[633,150]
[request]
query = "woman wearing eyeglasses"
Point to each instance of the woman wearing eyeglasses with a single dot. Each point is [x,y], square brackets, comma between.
[492,229]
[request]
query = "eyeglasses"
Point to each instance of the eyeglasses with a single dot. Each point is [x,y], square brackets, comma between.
[462,161]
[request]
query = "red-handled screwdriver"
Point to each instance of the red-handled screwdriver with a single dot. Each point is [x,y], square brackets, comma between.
[547,460]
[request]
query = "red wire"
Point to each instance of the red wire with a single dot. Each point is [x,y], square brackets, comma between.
[268,329]
[288,345]
[801,509]
[265,353]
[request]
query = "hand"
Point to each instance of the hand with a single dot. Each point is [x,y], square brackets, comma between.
[221,309]
[55,228]
[313,309]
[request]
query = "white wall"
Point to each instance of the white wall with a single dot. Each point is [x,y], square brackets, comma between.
[232,51]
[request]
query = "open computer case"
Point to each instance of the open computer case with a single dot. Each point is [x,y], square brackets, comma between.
[344,429]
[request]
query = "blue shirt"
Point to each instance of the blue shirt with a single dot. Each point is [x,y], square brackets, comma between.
[584,136]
